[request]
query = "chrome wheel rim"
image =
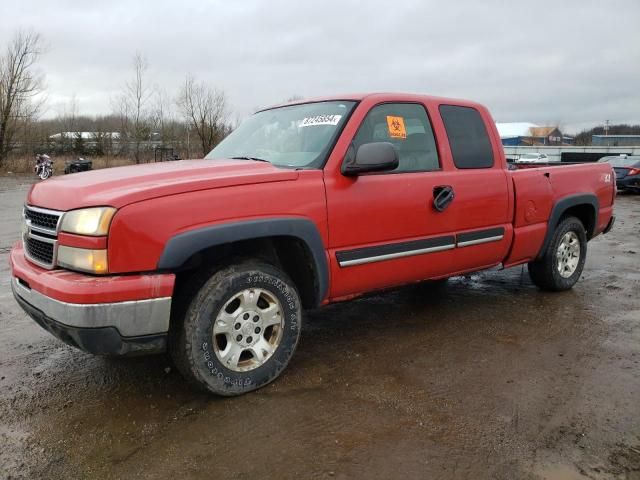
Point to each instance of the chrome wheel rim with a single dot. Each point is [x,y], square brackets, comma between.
[568,254]
[248,329]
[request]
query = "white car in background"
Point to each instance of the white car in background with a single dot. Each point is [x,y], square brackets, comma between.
[532,158]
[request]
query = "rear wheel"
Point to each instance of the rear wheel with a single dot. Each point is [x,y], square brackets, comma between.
[561,264]
[240,329]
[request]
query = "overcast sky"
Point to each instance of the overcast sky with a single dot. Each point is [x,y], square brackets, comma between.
[575,63]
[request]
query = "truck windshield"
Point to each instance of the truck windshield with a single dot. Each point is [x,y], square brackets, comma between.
[298,136]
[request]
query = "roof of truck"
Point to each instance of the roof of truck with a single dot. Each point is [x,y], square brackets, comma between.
[382,96]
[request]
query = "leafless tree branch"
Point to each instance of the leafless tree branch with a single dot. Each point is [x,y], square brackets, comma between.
[20,85]
[132,106]
[205,110]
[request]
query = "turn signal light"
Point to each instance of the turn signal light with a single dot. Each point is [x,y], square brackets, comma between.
[83,260]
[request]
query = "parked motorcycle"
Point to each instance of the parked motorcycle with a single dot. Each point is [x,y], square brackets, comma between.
[44,166]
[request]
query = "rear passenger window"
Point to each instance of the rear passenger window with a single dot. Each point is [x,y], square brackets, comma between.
[407,127]
[468,137]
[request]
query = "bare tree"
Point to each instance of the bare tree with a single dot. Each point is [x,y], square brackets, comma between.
[204,109]
[121,112]
[68,114]
[131,106]
[67,119]
[162,118]
[20,85]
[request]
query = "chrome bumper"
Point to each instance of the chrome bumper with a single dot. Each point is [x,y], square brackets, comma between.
[130,319]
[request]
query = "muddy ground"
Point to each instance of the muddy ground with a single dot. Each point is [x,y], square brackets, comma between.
[484,377]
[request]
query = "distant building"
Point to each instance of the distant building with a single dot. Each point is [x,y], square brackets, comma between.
[513,134]
[84,135]
[546,136]
[524,133]
[615,140]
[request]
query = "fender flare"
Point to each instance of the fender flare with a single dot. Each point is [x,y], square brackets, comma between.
[182,246]
[559,209]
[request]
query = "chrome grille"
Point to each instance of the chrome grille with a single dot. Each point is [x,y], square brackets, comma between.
[39,250]
[40,235]
[41,219]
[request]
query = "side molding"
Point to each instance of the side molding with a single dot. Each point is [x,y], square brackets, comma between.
[482,236]
[561,206]
[179,248]
[390,251]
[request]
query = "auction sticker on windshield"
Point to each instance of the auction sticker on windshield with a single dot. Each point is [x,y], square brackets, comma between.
[320,120]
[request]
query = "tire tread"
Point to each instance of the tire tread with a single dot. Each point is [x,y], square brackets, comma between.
[204,285]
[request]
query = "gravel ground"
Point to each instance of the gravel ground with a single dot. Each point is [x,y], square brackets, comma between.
[483,377]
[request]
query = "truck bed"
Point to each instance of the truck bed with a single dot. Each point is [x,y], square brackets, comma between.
[536,189]
[527,165]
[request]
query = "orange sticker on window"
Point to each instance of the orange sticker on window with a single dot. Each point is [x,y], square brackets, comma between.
[396,127]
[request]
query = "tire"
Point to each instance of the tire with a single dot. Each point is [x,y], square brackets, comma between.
[239,330]
[561,265]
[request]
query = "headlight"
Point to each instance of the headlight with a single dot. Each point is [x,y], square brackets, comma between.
[88,221]
[82,259]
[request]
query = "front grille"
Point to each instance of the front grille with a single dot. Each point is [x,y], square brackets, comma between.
[41,235]
[39,250]
[42,219]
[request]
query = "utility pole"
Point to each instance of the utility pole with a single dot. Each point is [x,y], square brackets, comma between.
[606,131]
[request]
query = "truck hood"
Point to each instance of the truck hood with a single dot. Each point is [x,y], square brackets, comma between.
[120,186]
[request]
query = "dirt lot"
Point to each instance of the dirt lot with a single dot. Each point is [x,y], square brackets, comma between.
[484,377]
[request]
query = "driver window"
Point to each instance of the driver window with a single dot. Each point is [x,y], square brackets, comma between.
[407,127]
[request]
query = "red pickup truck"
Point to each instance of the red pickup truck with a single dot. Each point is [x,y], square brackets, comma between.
[302,205]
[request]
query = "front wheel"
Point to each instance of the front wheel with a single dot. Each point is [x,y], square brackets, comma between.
[44,173]
[561,264]
[240,329]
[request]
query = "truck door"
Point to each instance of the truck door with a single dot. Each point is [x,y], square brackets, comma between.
[383,228]
[482,209]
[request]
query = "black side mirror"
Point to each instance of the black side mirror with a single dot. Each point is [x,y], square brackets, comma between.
[370,157]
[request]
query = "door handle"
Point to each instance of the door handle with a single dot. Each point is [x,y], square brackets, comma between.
[443,195]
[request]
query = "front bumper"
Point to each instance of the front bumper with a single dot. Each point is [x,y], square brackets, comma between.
[97,340]
[90,322]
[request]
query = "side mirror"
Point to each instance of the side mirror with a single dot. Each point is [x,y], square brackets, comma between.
[370,157]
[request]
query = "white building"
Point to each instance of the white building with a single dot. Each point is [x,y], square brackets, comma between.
[85,135]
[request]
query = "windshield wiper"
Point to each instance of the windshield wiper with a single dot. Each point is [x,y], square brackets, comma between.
[251,158]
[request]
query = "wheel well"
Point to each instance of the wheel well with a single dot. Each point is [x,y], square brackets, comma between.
[291,254]
[586,214]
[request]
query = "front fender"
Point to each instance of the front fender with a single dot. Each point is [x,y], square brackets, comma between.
[184,245]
